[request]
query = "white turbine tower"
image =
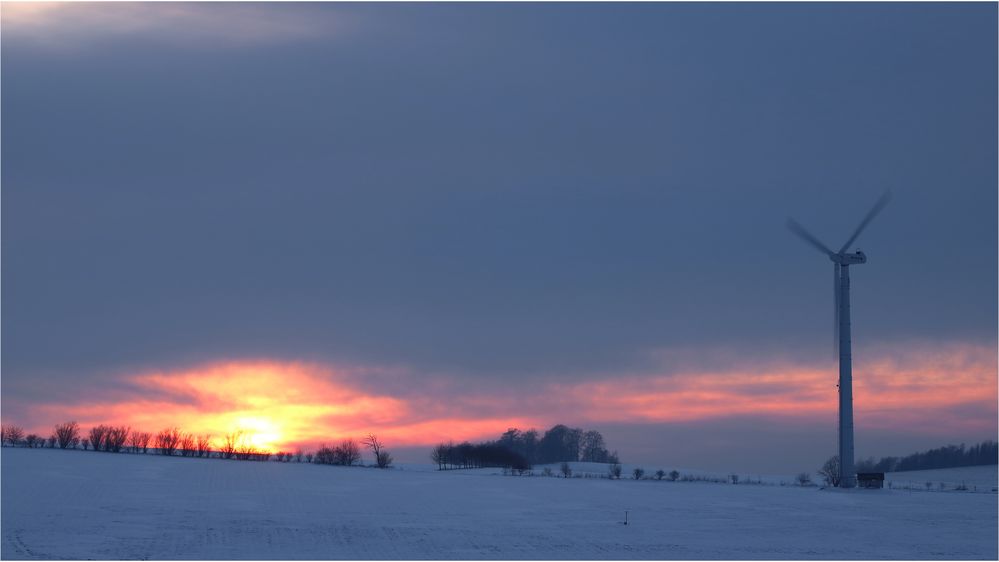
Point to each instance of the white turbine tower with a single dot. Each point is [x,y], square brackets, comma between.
[842,260]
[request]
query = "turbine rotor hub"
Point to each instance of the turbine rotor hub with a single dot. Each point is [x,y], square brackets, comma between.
[847,258]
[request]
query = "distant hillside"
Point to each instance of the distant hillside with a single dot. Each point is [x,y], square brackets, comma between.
[949,456]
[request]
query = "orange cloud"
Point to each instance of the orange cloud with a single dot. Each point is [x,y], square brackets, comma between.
[888,392]
[278,405]
[285,404]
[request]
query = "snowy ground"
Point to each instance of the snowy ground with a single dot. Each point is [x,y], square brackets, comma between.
[76,504]
[974,478]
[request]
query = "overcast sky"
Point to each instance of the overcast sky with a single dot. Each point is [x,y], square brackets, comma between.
[499,200]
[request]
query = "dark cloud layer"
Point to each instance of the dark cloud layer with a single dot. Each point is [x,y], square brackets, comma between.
[496,190]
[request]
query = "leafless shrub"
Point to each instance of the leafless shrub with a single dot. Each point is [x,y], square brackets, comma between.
[86,443]
[51,442]
[308,457]
[614,470]
[32,440]
[204,445]
[383,459]
[804,479]
[830,471]
[97,436]
[638,473]
[566,470]
[65,433]
[298,455]
[168,440]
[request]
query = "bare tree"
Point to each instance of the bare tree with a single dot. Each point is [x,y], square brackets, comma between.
[186,445]
[204,445]
[32,440]
[167,441]
[638,473]
[12,434]
[229,444]
[138,440]
[246,451]
[298,455]
[86,443]
[347,452]
[308,457]
[51,442]
[143,439]
[673,475]
[97,436]
[439,455]
[66,432]
[115,438]
[566,470]
[660,474]
[325,455]
[804,479]
[382,458]
[830,471]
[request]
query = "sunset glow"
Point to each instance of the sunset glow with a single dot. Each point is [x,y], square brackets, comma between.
[280,406]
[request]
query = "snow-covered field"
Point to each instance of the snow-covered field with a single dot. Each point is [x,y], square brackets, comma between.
[76,504]
[974,478]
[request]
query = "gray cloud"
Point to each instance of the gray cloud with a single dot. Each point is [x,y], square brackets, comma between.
[489,192]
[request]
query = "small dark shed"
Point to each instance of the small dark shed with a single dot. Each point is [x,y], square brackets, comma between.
[871,479]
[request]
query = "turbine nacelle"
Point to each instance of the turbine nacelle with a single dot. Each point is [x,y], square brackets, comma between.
[846,258]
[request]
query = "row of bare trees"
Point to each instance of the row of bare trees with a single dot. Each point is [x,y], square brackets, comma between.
[347,453]
[172,441]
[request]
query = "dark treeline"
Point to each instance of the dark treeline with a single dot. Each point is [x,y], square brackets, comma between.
[949,456]
[519,450]
[480,455]
[558,444]
[236,445]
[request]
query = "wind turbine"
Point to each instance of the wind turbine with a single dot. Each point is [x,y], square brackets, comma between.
[842,260]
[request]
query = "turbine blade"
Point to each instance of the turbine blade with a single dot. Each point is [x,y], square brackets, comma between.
[836,289]
[807,236]
[885,198]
